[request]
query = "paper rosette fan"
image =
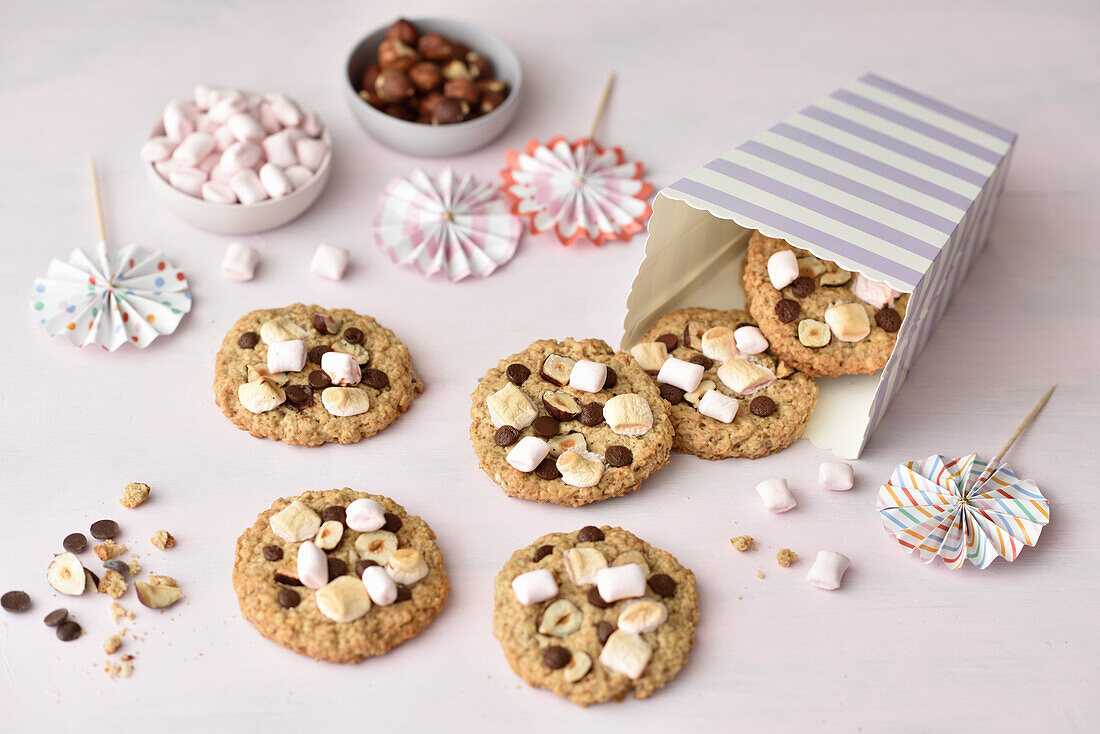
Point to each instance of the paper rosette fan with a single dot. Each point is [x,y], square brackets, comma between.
[964,509]
[578,189]
[456,226]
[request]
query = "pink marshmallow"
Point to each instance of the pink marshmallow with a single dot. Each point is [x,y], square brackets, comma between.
[279,148]
[329,262]
[342,368]
[750,340]
[298,175]
[782,268]
[310,152]
[286,111]
[223,138]
[239,156]
[187,180]
[311,125]
[209,163]
[157,149]
[228,106]
[776,495]
[203,96]
[872,292]
[268,120]
[835,475]
[194,148]
[828,570]
[218,192]
[246,185]
[245,128]
[177,125]
[240,261]
[275,181]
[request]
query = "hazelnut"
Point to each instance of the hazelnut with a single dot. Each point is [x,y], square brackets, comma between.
[459,50]
[369,75]
[371,98]
[448,111]
[435,47]
[480,68]
[403,31]
[492,85]
[428,103]
[462,89]
[426,76]
[490,101]
[400,111]
[393,86]
[393,54]
[456,70]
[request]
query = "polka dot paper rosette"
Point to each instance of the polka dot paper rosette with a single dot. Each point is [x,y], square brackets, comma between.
[111,298]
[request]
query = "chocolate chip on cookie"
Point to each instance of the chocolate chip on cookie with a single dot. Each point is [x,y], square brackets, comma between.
[317,352]
[376,379]
[618,456]
[604,630]
[669,340]
[404,593]
[548,470]
[393,523]
[339,513]
[288,598]
[590,534]
[705,362]
[298,393]
[363,565]
[248,339]
[662,584]
[542,552]
[762,406]
[888,319]
[802,286]
[353,336]
[672,394]
[336,567]
[545,426]
[591,414]
[787,310]
[318,380]
[506,436]
[611,380]
[556,657]
[596,600]
[517,373]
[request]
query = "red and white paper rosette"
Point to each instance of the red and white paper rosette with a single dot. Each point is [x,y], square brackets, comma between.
[578,189]
[456,226]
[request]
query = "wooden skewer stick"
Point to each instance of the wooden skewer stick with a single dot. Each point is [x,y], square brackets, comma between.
[1030,417]
[602,106]
[98,200]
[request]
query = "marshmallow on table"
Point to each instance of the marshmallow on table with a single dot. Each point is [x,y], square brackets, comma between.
[782,268]
[241,155]
[245,128]
[535,586]
[380,587]
[720,407]
[329,262]
[187,180]
[310,152]
[342,368]
[288,356]
[279,148]
[828,570]
[750,340]
[246,185]
[275,181]
[364,515]
[620,582]
[528,453]
[298,175]
[835,475]
[240,260]
[312,566]
[177,124]
[157,149]
[873,292]
[588,376]
[194,148]
[681,374]
[776,495]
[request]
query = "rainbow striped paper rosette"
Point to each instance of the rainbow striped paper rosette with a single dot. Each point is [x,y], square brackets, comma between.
[962,509]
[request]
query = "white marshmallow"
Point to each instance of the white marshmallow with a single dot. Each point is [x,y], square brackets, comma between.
[286,111]
[204,124]
[626,653]
[279,148]
[528,452]
[298,175]
[275,181]
[342,368]
[246,185]
[329,262]
[223,138]
[230,104]
[681,374]
[750,340]
[720,407]
[157,149]
[288,356]
[312,566]
[828,570]
[535,586]
[218,193]
[194,148]
[204,96]
[240,260]
[782,268]
[221,175]
[873,292]
[240,156]
[835,475]
[177,124]
[776,495]
[310,152]
[268,121]
[380,587]
[188,180]
[620,582]
[168,165]
[245,128]
[365,515]
[588,375]
[311,124]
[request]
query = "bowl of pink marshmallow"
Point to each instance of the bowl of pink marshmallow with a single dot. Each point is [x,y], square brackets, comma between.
[233,162]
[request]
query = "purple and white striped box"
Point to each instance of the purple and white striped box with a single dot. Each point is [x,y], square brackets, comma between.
[874,177]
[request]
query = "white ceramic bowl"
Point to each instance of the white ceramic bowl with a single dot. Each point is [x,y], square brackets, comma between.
[241,218]
[417,138]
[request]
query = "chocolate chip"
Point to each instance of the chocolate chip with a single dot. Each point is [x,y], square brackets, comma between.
[802,286]
[545,426]
[888,319]
[68,631]
[547,469]
[393,522]
[787,310]
[318,380]
[376,379]
[56,617]
[288,598]
[317,352]
[662,584]
[353,336]
[363,565]
[604,630]
[517,373]
[282,578]
[591,414]
[248,339]
[556,657]
[672,394]
[669,340]
[104,529]
[335,512]
[506,436]
[117,565]
[273,553]
[590,534]
[618,456]
[700,359]
[75,542]
[542,552]
[404,593]
[15,601]
[336,567]
[298,393]
[596,600]
[762,406]
[611,380]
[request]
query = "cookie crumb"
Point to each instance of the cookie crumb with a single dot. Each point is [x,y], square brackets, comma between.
[109,549]
[118,612]
[126,668]
[742,543]
[134,567]
[786,557]
[112,643]
[134,494]
[760,573]
[110,668]
[162,539]
[113,583]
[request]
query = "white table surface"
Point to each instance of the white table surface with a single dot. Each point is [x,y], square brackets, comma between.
[902,647]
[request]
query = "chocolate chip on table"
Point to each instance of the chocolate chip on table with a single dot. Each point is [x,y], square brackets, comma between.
[376,379]
[288,598]
[104,529]
[56,617]
[318,380]
[662,584]
[802,286]
[556,657]
[618,456]
[604,630]
[363,565]
[317,352]
[273,553]
[353,336]
[517,373]
[545,426]
[542,552]
[669,340]
[336,567]
[888,319]
[404,593]
[15,601]
[248,339]
[672,394]
[393,522]
[68,631]
[596,600]
[787,310]
[590,534]
[335,512]
[506,436]
[704,361]
[611,380]
[547,469]
[591,414]
[298,393]
[762,406]
[116,565]
[75,542]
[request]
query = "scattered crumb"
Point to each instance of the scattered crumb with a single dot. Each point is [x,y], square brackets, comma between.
[126,669]
[740,598]
[760,574]
[742,543]
[786,557]
[162,539]
[108,550]
[134,494]
[162,580]
[118,612]
[134,566]
[110,668]
[112,583]
[112,643]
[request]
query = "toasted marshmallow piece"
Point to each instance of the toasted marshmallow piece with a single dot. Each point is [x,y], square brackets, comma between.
[279,148]
[776,495]
[364,515]
[745,377]
[649,355]
[261,396]
[194,148]
[628,414]
[177,124]
[620,582]
[835,475]
[828,570]
[295,523]
[682,374]
[345,401]
[568,442]
[240,260]
[246,185]
[406,566]
[344,599]
[588,375]
[579,468]
[379,585]
[535,586]
[582,565]
[310,152]
[873,292]
[643,615]
[329,262]
[275,181]
[157,149]
[528,453]
[626,653]
[510,406]
[312,566]
[848,321]
[298,175]
[245,128]
[281,329]
[218,193]
[719,344]
[288,356]
[342,368]
[750,340]
[782,268]
[240,156]
[720,407]
[187,180]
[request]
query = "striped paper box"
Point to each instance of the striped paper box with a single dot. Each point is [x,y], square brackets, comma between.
[874,177]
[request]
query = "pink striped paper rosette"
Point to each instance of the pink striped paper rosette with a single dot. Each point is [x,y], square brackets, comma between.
[447,224]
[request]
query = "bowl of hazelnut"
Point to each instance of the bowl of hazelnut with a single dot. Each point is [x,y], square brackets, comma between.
[434,86]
